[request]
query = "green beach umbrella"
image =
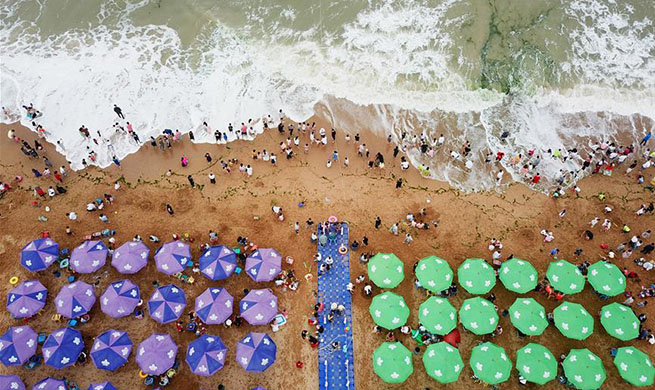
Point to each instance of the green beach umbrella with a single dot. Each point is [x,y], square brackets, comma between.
[389,310]
[634,366]
[478,315]
[443,362]
[392,362]
[490,363]
[565,277]
[606,278]
[536,363]
[619,321]
[476,276]
[437,315]
[584,369]
[573,320]
[518,275]
[434,274]
[528,316]
[386,270]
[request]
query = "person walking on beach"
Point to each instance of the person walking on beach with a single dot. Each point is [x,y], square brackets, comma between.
[193,183]
[378,222]
[169,208]
[646,138]
[119,112]
[212,178]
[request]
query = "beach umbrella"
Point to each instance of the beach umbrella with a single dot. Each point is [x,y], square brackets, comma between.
[50,384]
[476,276]
[206,355]
[634,366]
[218,262]
[17,345]
[11,382]
[478,315]
[259,388]
[102,386]
[606,278]
[26,299]
[256,352]
[130,257]
[39,254]
[573,321]
[619,321]
[518,275]
[75,299]
[565,277]
[214,305]
[434,274]
[62,348]
[156,354]
[259,306]
[536,364]
[437,315]
[528,316]
[89,257]
[443,362]
[111,350]
[584,369]
[490,363]
[392,362]
[120,299]
[263,265]
[389,310]
[386,270]
[166,303]
[172,257]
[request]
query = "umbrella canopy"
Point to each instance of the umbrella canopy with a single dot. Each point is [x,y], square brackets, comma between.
[263,265]
[573,321]
[130,257]
[389,310]
[490,363]
[17,345]
[478,315]
[26,299]
[11,382]
[172,257]
[214,305]
[528,316]
[259,306]
[156,354]
[584,369]
[437,315]
[536,364]
[166,303]
[89,257]
[39,254]
[476,276]
[120,299]
[111,350]
[606,278]
[392,362]
[75,300]
[518,275]
[434,274]
[443,362]
[206,355]
[259,388]
[62,348]
[256,352]
[218,262]
[619,321]
[102,386]
[634,366]
[50,384]
[565,277]
[386,270]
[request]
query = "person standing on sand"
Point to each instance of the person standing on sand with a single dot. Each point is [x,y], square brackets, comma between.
[212,178]
[193,183]
[169,208]
[399,183]
[334,135]
[119,112]
[378,222]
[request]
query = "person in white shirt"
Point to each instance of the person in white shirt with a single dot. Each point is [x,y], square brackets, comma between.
[72,216]
[329,163]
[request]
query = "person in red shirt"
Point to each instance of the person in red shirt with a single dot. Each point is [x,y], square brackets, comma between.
[536,178]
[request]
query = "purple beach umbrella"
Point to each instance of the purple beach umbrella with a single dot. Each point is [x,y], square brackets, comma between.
[172,257]
[130,257]
[120,299]
[263,265]
[259,388]
[218,262]
[62,348]
[214,305]
[256,352]
[17,345]
[111,350]
[166,303]
[11,382]
[75,300]
[39,254]
[89,257]
[259,306]
[50,384]
[102,386]
[156,354]
[26,299]
[206,355]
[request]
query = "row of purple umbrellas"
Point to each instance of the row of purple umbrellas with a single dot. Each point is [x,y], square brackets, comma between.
[13,382]
[216,262]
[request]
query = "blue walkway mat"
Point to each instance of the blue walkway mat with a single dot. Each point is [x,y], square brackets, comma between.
[335,366]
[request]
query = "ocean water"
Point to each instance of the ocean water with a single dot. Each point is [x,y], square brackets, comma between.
[546,74]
